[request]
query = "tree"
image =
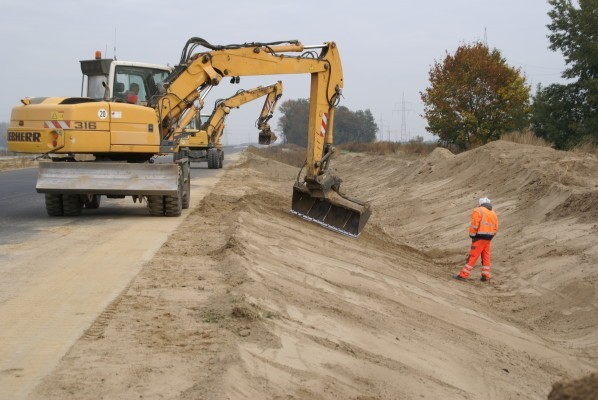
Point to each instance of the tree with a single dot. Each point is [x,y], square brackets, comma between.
[294,119]
[574,31]
[474,97]
[558,115]
[349,126]
[358,126]
[568,114]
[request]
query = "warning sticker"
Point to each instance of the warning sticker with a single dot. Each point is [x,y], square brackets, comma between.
[57,115]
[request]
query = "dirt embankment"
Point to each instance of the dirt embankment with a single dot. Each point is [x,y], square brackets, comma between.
[247,301]
[8,163]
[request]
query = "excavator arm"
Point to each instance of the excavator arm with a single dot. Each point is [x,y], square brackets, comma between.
[317,198]
[198,72]
[204,144]
[215,124]
[266,136]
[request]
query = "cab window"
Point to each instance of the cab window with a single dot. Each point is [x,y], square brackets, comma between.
[136,84]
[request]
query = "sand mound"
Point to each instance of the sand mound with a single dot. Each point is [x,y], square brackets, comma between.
[582,389]
[248,301]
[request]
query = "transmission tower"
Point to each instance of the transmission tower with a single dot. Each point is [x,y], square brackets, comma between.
[403,120]
[404,136]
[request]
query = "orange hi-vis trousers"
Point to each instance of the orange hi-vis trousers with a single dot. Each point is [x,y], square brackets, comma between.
[479,247]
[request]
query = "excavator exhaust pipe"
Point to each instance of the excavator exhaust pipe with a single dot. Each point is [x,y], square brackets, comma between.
[332,210]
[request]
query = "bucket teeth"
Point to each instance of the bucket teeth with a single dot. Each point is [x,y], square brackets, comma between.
[333,212]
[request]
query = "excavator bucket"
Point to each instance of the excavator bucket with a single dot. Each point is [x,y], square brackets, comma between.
[336,212]
[109,178]
[267,137]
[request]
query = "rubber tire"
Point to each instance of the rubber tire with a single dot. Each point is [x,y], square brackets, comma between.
[213,158]
[174,204]
[167,206]
[220,158]
[186,184]
[72,205]
[94,203]
[54,204]
[155,204]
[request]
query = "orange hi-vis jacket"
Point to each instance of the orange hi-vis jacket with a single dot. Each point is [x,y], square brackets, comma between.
[484,224]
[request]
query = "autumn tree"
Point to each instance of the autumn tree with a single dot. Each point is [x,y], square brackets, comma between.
[567,114]
[349,126]
[474,97]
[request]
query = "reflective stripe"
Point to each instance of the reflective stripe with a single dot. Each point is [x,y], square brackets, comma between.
[464,273]
[488,222]
[486,271]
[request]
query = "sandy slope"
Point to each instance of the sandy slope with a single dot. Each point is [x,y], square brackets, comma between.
[248,301]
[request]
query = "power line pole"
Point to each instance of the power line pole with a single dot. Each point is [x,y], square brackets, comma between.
[404,136]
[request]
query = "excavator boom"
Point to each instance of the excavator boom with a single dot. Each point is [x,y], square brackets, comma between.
[317,198]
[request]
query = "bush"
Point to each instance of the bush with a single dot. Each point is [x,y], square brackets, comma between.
[386,148]
[288,154]
[526,136]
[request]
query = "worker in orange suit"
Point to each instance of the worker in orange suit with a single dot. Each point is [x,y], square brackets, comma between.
[482,229]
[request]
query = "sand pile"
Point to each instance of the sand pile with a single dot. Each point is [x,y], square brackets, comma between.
[248,301]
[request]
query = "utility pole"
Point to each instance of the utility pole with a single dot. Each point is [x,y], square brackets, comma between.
[403,120]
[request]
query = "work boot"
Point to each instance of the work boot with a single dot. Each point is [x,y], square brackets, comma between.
[459,278]
[484,279]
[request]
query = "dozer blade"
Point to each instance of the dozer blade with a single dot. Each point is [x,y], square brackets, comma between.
[335,212]
[109,178]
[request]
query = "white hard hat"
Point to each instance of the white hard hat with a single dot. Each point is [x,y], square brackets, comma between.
[485,200]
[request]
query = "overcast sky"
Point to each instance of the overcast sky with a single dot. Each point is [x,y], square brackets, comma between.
[387,47]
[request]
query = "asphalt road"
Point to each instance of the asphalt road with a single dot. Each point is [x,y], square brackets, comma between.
[23,210]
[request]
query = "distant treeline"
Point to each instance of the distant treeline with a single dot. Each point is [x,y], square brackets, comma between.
[349,126]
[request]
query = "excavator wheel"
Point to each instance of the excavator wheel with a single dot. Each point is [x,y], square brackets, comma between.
[71,205]
[220,158]
[167,206]
[213,158]
[186,185]
[156,205]
[173,204]
[54,204]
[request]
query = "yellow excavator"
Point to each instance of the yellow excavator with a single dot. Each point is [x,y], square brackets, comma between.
[124,138]
[204,144]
